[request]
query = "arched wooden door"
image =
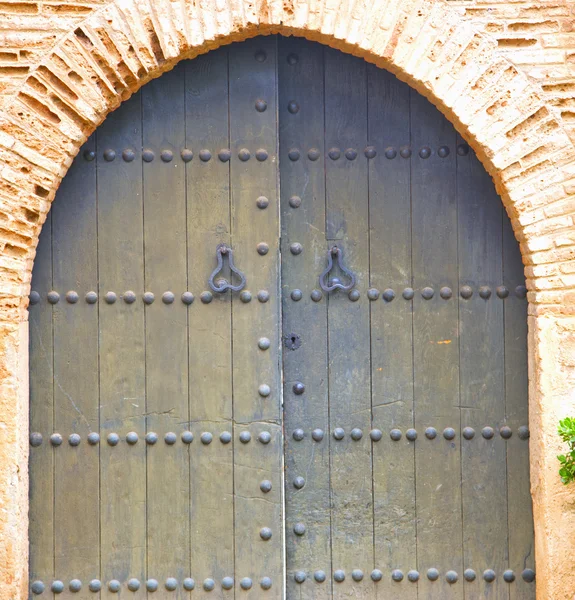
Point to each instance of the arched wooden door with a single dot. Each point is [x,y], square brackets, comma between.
[167,459]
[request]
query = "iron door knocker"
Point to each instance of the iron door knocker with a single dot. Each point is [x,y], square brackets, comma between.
[221,251]
[336,284]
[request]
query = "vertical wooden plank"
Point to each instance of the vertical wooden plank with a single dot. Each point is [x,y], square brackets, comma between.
[391,332]
[41,511]
[520,510]
[256,381]
[122,351]
[436,352]
[347,224]
[481,355]
[306,423]
[168,468]
[76,402]
[210,333]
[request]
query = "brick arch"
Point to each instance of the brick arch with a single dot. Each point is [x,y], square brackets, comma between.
[506,118]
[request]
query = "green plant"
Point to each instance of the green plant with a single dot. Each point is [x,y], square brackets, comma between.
[567,434]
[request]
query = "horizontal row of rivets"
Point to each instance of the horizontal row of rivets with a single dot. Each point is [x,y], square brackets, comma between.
[397,575]
[151,438]
[376,435]
[186,154]
[152,585]
[130,297]
[370,152]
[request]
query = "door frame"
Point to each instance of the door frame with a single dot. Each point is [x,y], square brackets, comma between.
[40,140]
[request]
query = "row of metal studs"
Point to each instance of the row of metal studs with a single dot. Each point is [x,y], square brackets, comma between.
[427,293]
[152,585]
[151,438]
[261,154]
[452,577]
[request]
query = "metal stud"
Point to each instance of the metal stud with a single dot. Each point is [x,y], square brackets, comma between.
[228,583]
[451,577]
[354,295]
[357,574]
[316,295]
[95,585]
[89,155]
[266,534]
[445,293]
[425,152]
[485,292]
[246,296]
[338,433]
[521,291]
[266,486]
[373,293]
[413,576]
[114,586]
[170,438]
[187,298]
[133,585]
[91,297]
[298,435]
[245,437]
[395,435]
[351,154]
[261,155]
[266,583]
[168,297]
[334,153]
[388,295]
[186,155]
[339,576]
[224,155]
[264,343]
[261,105]
[75,585]
[463,149]
[110,297]
[443,152]
[299,482]
[528,575]
[469,575]
[376,575]
[296,295]
[151,438]
[487,432]
[93,438]
[489,575]
[225,437]
[317,435]
[295,201]
[206,438]
[299,576]
[260,56]
[37,587]
[262,248]
[431,433]
[209,585]
[411,435]
[167,156]
[189,584]
[187,437]
[370,152]
[148,155]
[427,293]
[397,575]
[294,154]
[468,433]
[408,293]
[151,585]
[264,390]
[35,439]
[206,297]
[171,584]
[375,435]
[298,388]
[57,587]
[262,202]
[205,155]
[148,298]
[390,153]
[299,529]
[244,154]
[466,292]
[113,439]
[502,292]
[432,574]
[405,151]
[293,107]
[74,439]
[265,437]
[263,296]
[129,297]
[449,433]
[509,576]
[523,432]
[505,432]
[313,154]
[356,434]
[53,297]
[296,248]
[109,155]
[319,576]
[72,297]
[56,439]
[246,583]
[34,297]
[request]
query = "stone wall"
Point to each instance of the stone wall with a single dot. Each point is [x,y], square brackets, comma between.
[503,72]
